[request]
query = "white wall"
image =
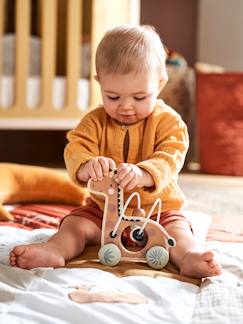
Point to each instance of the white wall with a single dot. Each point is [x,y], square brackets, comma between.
[220,33]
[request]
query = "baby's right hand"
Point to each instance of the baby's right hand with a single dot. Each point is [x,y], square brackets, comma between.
[95,169]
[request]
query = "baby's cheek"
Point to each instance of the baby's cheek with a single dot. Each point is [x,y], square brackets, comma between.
[146,110]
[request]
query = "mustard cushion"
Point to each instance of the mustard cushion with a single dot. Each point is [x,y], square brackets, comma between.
[26,183]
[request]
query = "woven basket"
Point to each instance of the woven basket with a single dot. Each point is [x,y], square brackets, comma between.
[219,101]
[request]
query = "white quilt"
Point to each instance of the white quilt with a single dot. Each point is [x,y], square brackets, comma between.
[41,295]
[220,299]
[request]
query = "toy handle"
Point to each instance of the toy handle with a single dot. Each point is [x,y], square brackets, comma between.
[138,212]
[129,199]
[157,202]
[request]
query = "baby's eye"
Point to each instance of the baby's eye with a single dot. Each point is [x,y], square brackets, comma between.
[113,98]
[139,98]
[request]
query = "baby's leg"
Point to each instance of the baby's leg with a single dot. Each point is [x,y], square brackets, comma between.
[188,255]
[69,242]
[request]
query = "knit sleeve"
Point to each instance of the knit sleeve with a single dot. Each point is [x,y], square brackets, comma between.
[169,154]
[83,144]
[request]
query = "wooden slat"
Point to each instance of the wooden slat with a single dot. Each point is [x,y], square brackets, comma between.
[48,53]
[1,33]
[1,42]
[105,15]
[22,52]
[74,40]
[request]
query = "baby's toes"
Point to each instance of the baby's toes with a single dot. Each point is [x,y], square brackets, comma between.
[212,264]
[218,268]
[215,266]
[12,258]
[12,261]
[19,250]
[21,262]
[11,254]
[217,271]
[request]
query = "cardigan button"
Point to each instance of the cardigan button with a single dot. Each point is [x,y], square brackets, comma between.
[123,127]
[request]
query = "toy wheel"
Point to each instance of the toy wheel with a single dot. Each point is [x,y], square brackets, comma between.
[157,257]
[109,255]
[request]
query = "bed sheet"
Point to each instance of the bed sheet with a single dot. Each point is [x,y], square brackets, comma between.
[33,92]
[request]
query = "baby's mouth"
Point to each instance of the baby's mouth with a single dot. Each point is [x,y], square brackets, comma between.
[127,115]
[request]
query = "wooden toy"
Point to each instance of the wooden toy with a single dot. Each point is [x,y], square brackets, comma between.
[149,233]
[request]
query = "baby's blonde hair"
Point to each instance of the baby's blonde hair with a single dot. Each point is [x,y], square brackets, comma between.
[126,49]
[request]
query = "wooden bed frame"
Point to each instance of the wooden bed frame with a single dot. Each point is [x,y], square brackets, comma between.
[104,14]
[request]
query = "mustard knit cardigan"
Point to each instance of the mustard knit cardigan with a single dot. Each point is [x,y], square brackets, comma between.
[158,144]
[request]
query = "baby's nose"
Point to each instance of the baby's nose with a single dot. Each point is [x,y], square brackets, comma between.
[126,104]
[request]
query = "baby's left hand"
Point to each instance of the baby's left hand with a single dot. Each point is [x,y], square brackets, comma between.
[129,176]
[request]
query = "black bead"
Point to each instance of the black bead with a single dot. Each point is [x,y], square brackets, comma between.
[138,237]
[171,242]
[112,235]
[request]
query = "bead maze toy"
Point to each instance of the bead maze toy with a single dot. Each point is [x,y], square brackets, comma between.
[145,231]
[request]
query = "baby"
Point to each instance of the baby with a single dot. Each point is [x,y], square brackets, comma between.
[136,133]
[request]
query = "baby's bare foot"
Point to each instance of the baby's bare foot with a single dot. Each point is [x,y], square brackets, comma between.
[35,255]
[199,265]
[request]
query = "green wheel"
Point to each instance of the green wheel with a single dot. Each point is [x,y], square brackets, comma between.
[157,257]
[109,255]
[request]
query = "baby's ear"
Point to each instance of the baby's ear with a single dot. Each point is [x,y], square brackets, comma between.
[162,83]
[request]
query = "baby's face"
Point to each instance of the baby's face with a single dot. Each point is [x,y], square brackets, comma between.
[129,98]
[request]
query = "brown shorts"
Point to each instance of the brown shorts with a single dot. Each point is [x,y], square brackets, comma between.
[91,211]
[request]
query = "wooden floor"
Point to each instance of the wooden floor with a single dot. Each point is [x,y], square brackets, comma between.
[219,196]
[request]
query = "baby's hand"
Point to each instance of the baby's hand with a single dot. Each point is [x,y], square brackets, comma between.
[95,169]
[129,176]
